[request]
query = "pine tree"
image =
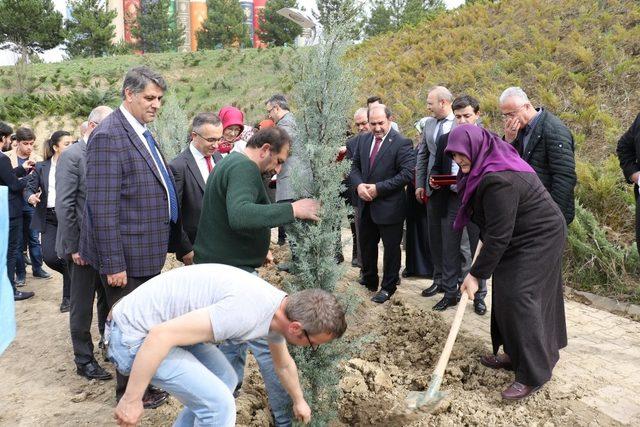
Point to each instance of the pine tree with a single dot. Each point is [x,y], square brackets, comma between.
[380,20]
[323,96]
[391,15]
[155,29]
[171,126]
[29,27]
[90,29]
[275,29]
[343,14]
[224,26]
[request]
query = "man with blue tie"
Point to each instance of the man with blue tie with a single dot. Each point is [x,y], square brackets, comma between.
[131,207]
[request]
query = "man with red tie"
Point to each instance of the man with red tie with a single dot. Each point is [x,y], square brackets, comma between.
[191,168]
[382,166]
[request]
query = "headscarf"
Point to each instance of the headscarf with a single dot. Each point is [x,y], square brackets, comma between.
[230,116]
[487,153]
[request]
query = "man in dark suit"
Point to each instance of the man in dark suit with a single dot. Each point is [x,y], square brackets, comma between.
[71,193]
[131,198]
[191,168]
[382,166]
[9,177]
[628,151]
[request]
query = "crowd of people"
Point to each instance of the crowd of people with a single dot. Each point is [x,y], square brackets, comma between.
[105,210]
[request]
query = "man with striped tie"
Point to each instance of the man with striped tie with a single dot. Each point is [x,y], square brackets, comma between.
[131,205]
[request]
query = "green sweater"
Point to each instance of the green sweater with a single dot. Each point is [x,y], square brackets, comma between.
[237,216]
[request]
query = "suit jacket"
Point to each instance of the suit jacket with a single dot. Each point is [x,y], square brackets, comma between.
[284,185]
[39,181]
[350,194]
[126,224]
[426,155]
[71,193]
[189,190]
[9,177]
[391,171]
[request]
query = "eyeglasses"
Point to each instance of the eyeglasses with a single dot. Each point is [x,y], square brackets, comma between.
[314,348]
[269,110]
[211,140]
[513,113]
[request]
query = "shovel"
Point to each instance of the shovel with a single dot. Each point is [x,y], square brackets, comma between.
[430,399]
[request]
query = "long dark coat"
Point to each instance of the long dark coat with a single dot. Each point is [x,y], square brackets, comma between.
[523,233]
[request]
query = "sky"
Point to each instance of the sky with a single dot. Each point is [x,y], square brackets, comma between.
[54,55]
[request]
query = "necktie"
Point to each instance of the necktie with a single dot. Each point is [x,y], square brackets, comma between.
[173,200]
[209,164]
[439,132]
[374,152]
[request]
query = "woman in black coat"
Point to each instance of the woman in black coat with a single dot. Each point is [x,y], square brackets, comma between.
[40,192]
[523,233]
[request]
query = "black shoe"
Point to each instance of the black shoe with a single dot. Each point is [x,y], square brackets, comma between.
[381,297]
[355,263]
[339,258]
[93,371]
[26,258]
[430,291]
[285,266]
[41,274]
[103,349]
[281,242]
[65,305]
[445,303]
[479,307]
[21,295]
[154,397]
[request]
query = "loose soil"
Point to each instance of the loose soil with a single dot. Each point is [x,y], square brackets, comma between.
[38,384]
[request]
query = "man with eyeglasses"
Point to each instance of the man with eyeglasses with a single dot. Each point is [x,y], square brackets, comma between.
[544,142]
[71,193]
[164,333]
[191,169]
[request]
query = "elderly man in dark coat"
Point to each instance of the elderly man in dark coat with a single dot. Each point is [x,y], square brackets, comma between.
[523,234]
[628,151]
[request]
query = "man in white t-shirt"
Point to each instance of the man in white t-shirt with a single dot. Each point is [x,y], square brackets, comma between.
[164,332]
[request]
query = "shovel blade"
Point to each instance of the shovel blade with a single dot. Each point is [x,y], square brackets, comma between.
[424,400]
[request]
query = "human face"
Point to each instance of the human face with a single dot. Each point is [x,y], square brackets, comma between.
[297,335]
[62,145]
[273,112]
[25,148]
[144,105]
[436,106]
[466,116]
[514,109]
[361,123]
[462,161]
[379,124]
[231,133]
[5,143]
[207,138]
[272,162]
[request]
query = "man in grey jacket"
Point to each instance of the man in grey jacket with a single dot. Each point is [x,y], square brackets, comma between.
[85,281]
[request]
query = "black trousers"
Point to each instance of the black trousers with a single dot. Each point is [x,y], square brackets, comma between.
[49,254]
[113,294]
[435,240]
[370,234]
[85,285]
[13,248]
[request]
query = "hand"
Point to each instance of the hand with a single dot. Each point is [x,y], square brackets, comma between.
[419,194]
[302,412]
[342,150]
[269,259]
[128,412]
[28,165]
[433,184]
[470,286]
[635,177]
[511,128]
[34,199]
[373,190]
[118,280]
[306,209]
[77,259]
[188,258]
[363,192]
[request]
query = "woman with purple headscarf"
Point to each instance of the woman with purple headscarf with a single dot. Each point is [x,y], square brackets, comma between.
[523,234]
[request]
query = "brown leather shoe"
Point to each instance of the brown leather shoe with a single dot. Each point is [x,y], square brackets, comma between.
[492,361]
[517,391]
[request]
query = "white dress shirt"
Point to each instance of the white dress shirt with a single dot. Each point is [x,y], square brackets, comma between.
[201,162]
[51,190]
[140,129]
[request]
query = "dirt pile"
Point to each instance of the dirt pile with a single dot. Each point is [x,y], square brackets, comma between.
[404,347]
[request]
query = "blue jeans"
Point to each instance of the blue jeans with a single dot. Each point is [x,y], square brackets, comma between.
[32,241]
[279,399]
[199,376]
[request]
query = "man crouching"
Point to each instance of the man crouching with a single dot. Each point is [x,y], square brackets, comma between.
[164,332]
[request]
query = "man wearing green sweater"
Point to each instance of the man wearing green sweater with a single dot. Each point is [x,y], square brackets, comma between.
[235,229]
